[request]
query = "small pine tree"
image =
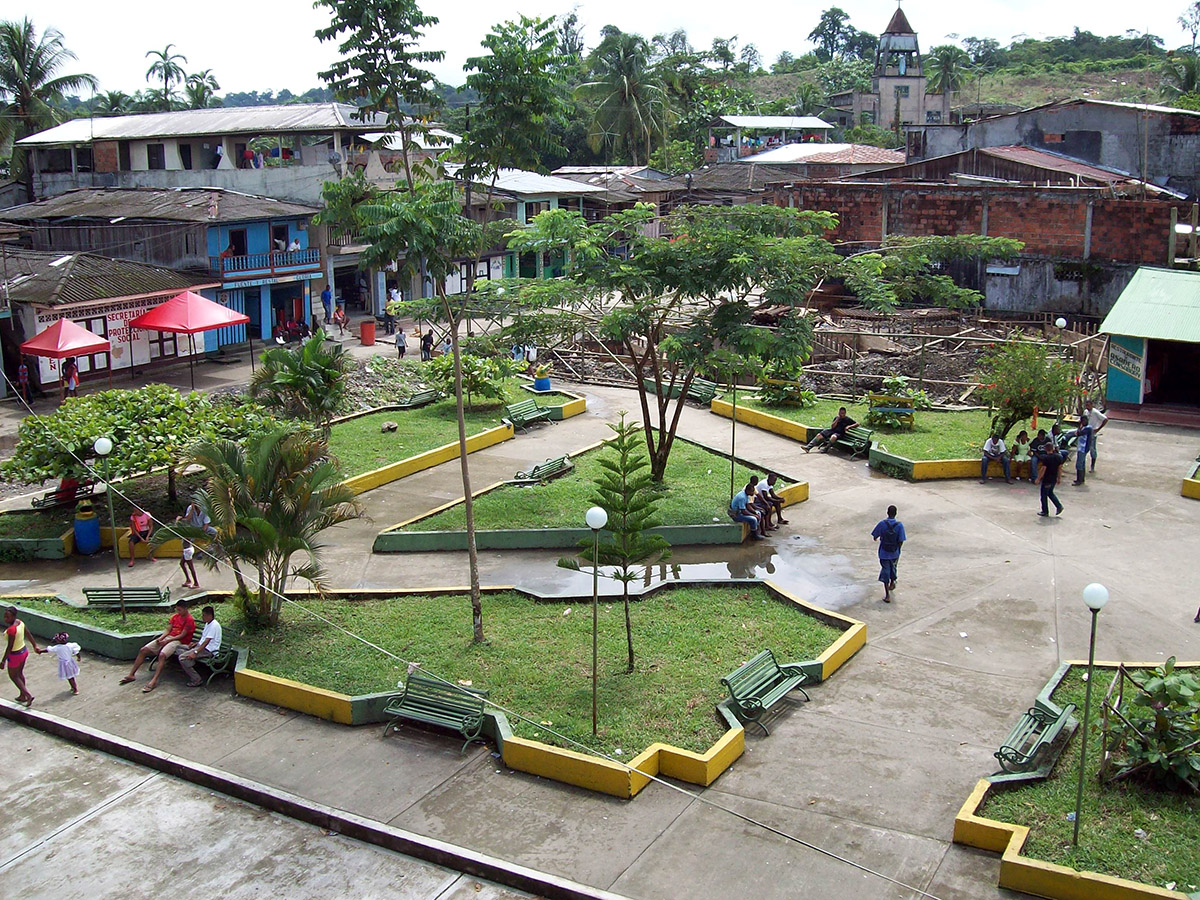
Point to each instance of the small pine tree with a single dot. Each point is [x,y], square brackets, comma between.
[626,491]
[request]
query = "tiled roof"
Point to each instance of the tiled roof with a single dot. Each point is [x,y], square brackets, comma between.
[828,154]
[621,188]
[201,205]
[54,279]
[899,24]
[1031,156]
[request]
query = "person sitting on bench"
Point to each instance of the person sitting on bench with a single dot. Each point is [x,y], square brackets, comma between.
[761,507]
[739,511]
[205,648]
[767,495]
[178,633]
[841,424]
[141,526]
[994,449]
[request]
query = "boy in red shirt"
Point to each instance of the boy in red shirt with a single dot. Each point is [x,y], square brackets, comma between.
[179,632]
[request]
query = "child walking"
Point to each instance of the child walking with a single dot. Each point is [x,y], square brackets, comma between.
[68,658]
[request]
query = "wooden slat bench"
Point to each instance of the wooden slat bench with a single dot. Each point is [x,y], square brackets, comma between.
[135,597]
[524,413]
[701,391]
[223,662]
[1036,729]
[856,440]
[902,408]
[551,468]
[420,398]
[434,702]
[759,684]
[58,497]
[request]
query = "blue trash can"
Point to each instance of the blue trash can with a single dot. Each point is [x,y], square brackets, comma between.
[87,529]
[541,384]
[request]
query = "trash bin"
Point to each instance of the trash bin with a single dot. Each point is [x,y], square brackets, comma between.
[541,384]
[87,529]
[367,333]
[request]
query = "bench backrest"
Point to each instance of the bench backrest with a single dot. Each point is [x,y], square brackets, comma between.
[130,593]
[421,691]
[858,432]
[522,408]
[753,676]
[874,400]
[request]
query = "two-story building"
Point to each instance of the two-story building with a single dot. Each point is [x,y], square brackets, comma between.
[255,250]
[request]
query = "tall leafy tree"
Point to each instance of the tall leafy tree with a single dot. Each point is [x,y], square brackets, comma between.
[379,66]
[31,85]
[1190,21]
[829,34]
[269,501]
[201,89]
[627,493]
[1180,76]
[309,382]
[946,68]
[113,103]
[167,69]
[630,103]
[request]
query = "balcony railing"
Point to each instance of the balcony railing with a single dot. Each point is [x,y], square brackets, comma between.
[265,263]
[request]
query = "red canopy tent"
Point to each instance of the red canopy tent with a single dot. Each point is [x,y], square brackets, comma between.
[189,314]
[65,339]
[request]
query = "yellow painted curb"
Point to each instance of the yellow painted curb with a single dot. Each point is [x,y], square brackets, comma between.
[293,695]
[765,421]
[933,469]
[1033,876]
[1191,488]
[427,460]
[574,407]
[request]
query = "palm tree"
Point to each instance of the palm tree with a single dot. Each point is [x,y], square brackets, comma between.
[30,86]
[269,501]
[166,69]
[201,89]
[630,103]
[114,103]
[809,99]
[946,68]
[1180,75]
[308,382]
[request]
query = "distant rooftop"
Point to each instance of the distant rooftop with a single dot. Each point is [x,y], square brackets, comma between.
[54,279]
[200,205]
[521,183]
[291,118]
[830,154]
[783,123]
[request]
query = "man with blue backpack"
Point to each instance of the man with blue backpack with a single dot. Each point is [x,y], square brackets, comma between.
[890,534]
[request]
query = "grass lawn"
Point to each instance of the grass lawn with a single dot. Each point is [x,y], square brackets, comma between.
[1111,814]
[136,621]
[362,447]
[149,490]
[696,493]
[537,660]
[936,434]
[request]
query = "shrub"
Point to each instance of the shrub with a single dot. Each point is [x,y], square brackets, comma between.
[1159,735]
[1018,378]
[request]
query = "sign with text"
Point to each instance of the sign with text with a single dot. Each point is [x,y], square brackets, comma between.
[1125,360]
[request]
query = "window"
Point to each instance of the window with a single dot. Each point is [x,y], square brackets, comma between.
[933,117]
[83,159]
[532,209]
[123,163]
[237,241]
[185,155]
[902,90]
[156,156]
[1052,138]
[279,238]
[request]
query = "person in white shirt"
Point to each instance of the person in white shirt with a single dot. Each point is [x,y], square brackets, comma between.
[294,246]
[205,648]
[68,658]
[1097,420]
[994,449]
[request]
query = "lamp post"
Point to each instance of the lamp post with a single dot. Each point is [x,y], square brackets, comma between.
[1095,596]
[596,519]
[103,446]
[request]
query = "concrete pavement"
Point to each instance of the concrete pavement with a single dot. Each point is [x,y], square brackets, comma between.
[873,768]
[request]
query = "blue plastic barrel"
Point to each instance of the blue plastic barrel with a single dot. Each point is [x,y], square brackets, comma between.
[541,384]
[87,529]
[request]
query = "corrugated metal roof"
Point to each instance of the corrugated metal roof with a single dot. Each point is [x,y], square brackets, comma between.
[521,183]
[1162,304]
[620,188]
[1046,160]
[846,154]
[292,118]
[807,123]
[201,205]
[739,177]
[438,137]
[55,279]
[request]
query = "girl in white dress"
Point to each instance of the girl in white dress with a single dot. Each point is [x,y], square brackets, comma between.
[68,658]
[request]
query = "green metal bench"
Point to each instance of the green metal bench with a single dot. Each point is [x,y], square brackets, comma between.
[58,497]
[551,468]
[434,702]
[524,413]
[223,662]
[140,597]
[759,684]
[701,391]
[1036,729]
[420,398]
[903,408]
[856,440]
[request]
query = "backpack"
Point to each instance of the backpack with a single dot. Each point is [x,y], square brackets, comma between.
[890,539]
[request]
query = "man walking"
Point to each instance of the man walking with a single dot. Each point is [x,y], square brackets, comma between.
[327,302]
[1097,420]
[1051,461]
[890,534]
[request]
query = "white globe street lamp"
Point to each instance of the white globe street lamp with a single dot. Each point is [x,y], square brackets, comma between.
[596,519]
[1094,596]
[104,446]
[1060,322]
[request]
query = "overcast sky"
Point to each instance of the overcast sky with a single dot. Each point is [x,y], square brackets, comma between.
[261,46]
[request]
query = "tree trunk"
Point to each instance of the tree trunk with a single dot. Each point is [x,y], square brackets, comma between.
[172,494]
[628,627]
[468,500]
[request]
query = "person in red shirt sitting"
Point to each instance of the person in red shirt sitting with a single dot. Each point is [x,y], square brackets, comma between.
[178,633]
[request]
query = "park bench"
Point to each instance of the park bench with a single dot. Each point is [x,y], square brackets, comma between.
[435,702]
[420,398]
[900,407]
[759,684]
[551,468]
[135,597]
[524,413]
[223,662]
[59,497]
[856,440]
[701,391]
[1036,729]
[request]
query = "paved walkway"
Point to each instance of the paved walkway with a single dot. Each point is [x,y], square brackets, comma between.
[874,768]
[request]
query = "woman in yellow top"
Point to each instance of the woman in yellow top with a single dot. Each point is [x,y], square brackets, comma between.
[16,651]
